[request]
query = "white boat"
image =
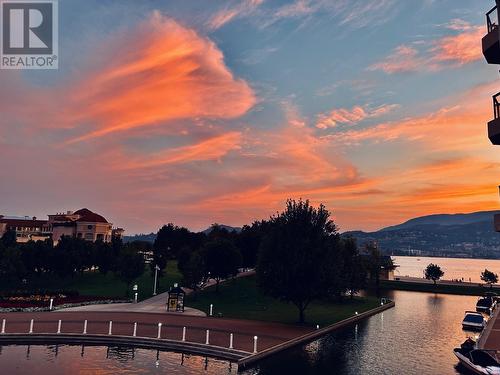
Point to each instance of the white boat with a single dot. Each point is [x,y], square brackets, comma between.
[473,321]
[478,361]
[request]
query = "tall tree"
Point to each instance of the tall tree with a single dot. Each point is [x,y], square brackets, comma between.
[433,272]
[130,266]
[296,256]
[353,270]
[221,259]
[489,277]
[248,242]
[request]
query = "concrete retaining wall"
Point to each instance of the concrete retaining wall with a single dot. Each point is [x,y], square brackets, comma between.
[252,359]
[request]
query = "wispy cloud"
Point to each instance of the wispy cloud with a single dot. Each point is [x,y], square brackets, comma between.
[222,17]
[453,50]
[351,116]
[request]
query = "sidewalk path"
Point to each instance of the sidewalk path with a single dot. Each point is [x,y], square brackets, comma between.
[155,304]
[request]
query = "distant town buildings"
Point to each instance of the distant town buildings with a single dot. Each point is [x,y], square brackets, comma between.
[83,224]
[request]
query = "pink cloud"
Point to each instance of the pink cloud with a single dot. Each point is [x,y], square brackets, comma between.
[351,116]
[454,50]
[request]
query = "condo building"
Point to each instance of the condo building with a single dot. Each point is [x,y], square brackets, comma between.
[83,223]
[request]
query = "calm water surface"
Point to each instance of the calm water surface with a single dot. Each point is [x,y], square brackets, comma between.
[454,268]
[415,337]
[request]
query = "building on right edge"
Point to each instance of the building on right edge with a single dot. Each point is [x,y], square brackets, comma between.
[491,52]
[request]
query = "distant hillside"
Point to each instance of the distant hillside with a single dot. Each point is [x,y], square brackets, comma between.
[459,235]
[226,227]
[446,219]
[140,237]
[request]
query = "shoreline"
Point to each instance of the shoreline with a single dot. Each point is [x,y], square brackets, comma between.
[444,286]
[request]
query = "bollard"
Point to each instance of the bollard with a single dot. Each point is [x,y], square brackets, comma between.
[51,304]
[110,331]
[31,326]
[356,313]
[85,327]
[3,326]
[207,338]
[211,309]
[135,297]
[59,326]
[255,338]
[183,333]
[135,330]
[159,330]
[317,326]
[231,341]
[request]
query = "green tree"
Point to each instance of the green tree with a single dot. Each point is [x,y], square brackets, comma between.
[489,277]
[248,242]
[297,255]
[130,265]
[194,271]
[221,259]
[433,272]
[353,270]
[9,238]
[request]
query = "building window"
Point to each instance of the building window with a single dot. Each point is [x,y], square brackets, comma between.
[89,226]
[79,235]
[89,236]
[100,237]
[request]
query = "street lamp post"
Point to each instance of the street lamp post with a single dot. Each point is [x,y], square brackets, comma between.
[156,278]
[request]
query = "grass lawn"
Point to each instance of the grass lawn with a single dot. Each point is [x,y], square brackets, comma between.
[96,284]
[241,299]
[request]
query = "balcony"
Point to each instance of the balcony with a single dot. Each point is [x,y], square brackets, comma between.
[496,221]
[491,44]
[494,125]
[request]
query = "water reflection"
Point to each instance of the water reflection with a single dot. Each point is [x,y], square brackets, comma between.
[65,359]
[415,337]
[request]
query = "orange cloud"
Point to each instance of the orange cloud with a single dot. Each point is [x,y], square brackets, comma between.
[165,72]
[454,50]
[460,49]
[210,149]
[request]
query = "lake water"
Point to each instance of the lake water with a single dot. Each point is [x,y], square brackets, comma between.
[454,268]
[415,337]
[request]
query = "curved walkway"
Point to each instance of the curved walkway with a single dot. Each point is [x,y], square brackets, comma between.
[122,328]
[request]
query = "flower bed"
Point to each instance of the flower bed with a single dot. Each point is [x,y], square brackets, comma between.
[40,300]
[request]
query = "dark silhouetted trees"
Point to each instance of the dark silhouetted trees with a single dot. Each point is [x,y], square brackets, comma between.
[433,272]
[489,277]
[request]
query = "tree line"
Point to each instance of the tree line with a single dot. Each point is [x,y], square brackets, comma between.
[298,254]
[71,256]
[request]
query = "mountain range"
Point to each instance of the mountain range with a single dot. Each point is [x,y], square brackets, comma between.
[451,235]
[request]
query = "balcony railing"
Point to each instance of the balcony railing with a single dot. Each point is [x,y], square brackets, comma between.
[496,105]
[492,25]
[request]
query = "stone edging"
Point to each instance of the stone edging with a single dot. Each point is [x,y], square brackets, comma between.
[308,337]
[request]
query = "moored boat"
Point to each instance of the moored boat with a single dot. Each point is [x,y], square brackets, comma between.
[473,321]
[477,360]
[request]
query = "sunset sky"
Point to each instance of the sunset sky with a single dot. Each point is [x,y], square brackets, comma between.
[197,112]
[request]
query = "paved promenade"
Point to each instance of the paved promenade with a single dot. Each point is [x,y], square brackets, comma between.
[269,334]
[155,304]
